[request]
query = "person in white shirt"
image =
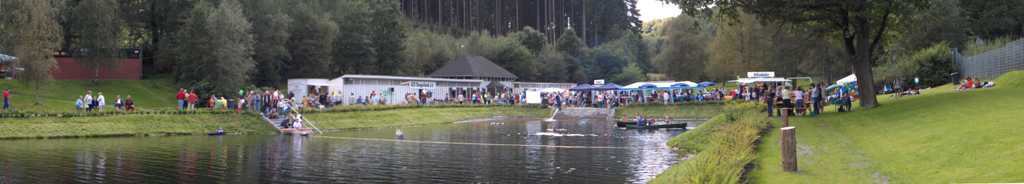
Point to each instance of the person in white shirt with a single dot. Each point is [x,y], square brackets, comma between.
[102,101]
[88,101]
[798,94]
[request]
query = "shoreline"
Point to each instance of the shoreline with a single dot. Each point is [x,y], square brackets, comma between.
[79,125]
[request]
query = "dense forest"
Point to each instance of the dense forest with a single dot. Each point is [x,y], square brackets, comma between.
[264,42]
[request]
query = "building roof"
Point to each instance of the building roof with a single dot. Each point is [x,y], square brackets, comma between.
[350,76]
[470,66]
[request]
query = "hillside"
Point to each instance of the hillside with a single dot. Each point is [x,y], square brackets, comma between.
[942,136]
[59,96]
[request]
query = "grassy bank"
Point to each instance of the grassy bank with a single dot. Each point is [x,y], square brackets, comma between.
[687,111]
[942,136]
[131,125]
[59,96]
[417,116]
[722,147]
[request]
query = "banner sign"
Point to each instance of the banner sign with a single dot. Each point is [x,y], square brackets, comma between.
[760,74]
[422,84]
[599,82]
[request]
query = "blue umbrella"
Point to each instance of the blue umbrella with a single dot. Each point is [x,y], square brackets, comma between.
[706,84]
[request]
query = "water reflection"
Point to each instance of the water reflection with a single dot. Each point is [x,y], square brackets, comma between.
[452,153]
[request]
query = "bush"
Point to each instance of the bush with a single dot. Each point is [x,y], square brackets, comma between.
[724,146]
[1014,79]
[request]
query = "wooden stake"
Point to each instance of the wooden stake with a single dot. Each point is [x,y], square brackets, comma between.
[785,117]
[789,149]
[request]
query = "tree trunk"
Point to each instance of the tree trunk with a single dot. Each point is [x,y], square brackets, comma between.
[862,68]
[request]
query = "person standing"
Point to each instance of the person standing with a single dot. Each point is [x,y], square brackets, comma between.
[816,99]
[193,98]
[7,99]
[88,101]
[181,99]
[101,101]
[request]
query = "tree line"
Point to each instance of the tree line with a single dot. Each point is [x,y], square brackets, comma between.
[264,42]
[906,39]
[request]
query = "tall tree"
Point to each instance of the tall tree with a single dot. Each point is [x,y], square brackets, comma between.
[221,43]
[859,24]
[97,25]
[38,35]
[234,48]
[312,43]
[683,55]
[270,31]
[387,35]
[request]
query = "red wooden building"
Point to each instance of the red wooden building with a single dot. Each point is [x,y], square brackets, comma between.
[68,68]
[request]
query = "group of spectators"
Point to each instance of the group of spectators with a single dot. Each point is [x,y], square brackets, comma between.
[973,83]
[88,103]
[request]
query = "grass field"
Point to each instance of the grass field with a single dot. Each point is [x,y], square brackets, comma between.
[132,125]
[416,116]
[688,111]
[941,136]
[59,96]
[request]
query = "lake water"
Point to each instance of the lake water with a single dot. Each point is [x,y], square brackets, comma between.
[510,151]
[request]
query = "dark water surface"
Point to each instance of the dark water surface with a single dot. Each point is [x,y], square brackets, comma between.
[512,151]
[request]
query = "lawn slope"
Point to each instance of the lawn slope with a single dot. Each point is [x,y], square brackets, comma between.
[942,136]
[59,96]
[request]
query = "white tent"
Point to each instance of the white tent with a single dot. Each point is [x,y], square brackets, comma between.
[552,90]
[848,79]
[660,85]
[753,80]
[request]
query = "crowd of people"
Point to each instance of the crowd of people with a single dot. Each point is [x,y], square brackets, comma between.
[969,83]
[89,103]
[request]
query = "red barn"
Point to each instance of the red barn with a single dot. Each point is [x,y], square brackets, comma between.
[128,67]
[68,68]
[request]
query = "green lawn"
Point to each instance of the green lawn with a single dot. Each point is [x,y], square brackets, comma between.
[688,111]
[942,136]
[59,96]
[417,116]
[131,125]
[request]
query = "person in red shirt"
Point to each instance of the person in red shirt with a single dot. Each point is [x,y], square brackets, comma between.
[181,98]
[7,99]
[192,99]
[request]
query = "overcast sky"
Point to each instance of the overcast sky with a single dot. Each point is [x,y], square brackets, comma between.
[654,9]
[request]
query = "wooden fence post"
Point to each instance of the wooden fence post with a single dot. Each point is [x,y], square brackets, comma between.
[785,117]
[789,149]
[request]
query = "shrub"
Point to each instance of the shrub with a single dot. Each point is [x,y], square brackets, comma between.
[724,146]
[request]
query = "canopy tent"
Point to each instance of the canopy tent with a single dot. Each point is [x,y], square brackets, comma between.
[4,58]
[753,80]
[833,86]
[660,85]
[606,86]
[848,79]
[552,90]
[582,87]
[706,84]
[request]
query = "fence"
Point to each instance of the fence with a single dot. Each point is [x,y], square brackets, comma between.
[991,64]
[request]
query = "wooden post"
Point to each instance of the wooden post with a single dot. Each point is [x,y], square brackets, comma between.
[785,117]
[789,149]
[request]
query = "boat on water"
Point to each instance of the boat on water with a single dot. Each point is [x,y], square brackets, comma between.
[297,131]
[219,132]
[655,125]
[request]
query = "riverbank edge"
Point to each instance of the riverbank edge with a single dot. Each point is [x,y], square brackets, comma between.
[507,111]
[260,127]
[722,149]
